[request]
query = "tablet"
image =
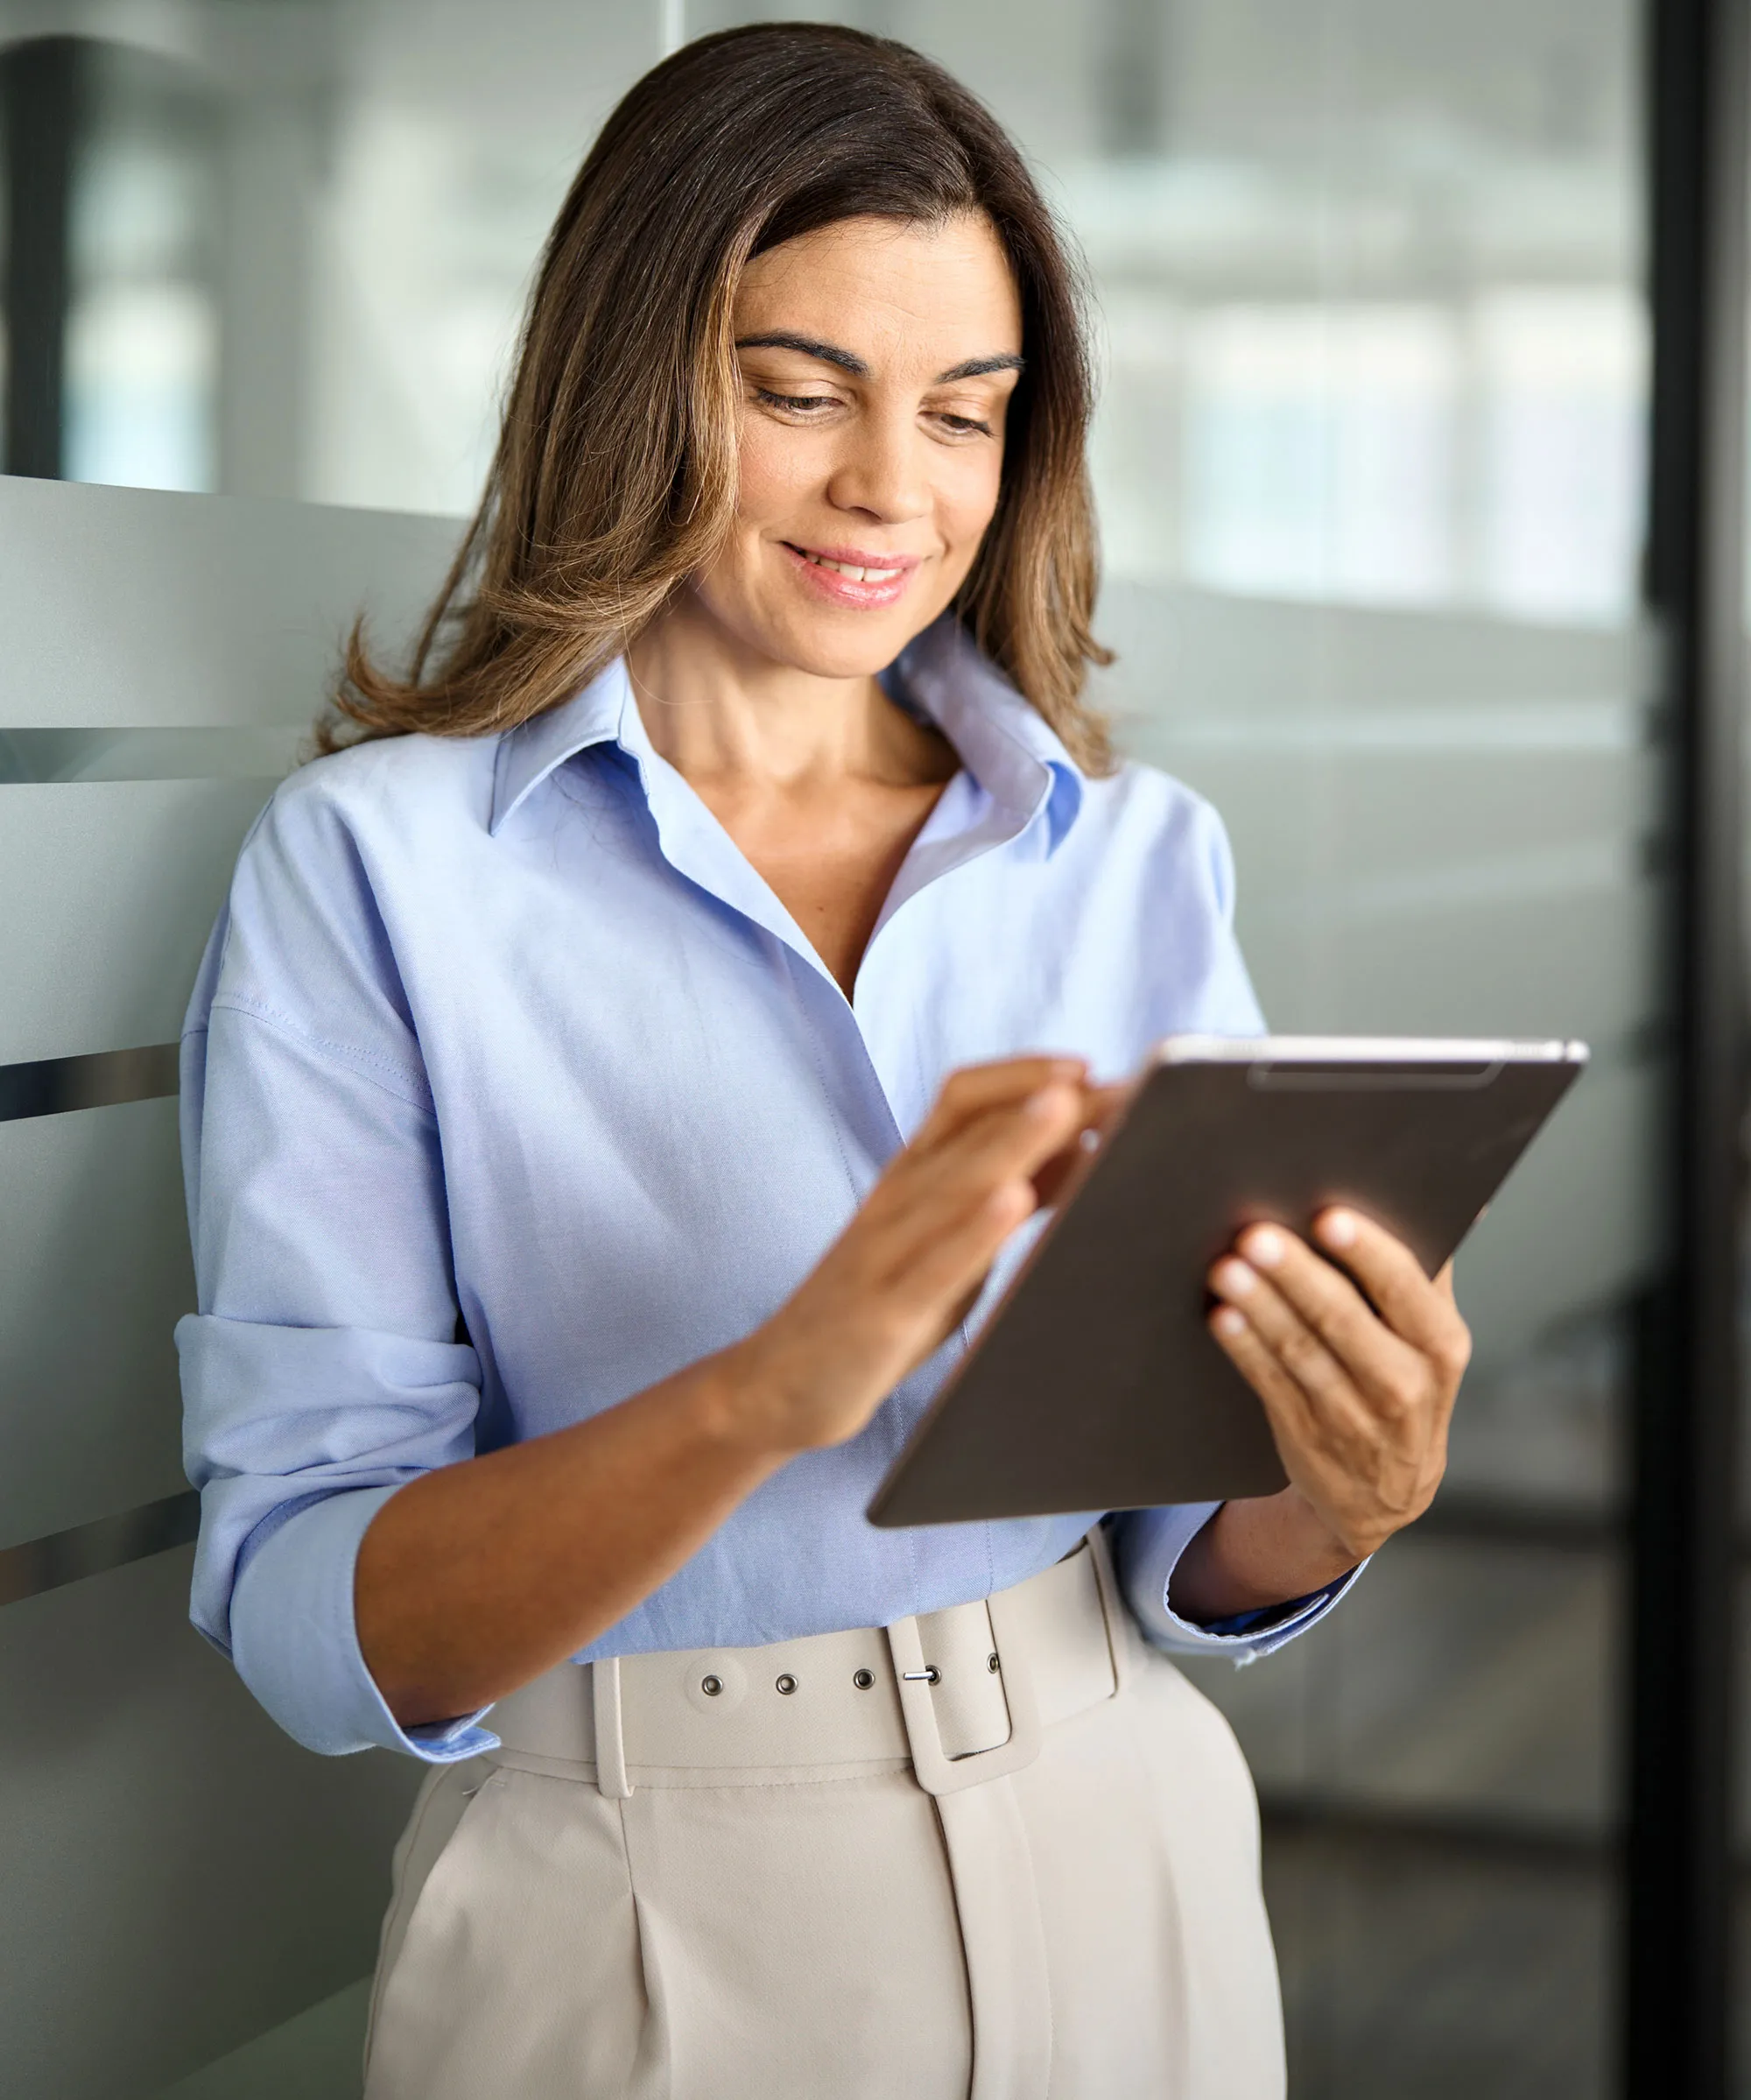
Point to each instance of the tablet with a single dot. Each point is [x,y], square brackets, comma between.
[1095,1384]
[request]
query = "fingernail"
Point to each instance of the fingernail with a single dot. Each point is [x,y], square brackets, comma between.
[1265,1247]
[1234,1279]
[1337,1228]
[1229,1322]
[1046,1104]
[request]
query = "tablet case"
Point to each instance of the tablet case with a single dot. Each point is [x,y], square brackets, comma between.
[1095,1384]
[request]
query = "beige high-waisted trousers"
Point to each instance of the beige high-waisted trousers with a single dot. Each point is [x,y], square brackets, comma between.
[596,1911]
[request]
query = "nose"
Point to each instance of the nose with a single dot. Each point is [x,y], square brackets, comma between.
[880,473]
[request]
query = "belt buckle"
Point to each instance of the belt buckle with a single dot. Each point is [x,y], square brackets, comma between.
[938,1773]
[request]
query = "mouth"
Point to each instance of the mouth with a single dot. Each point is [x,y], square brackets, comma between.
[855,576]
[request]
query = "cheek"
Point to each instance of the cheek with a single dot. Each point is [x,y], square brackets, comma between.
[775,466]
[967,501]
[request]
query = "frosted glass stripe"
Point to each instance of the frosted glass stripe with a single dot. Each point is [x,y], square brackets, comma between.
[94,1273]
[178,1875]
[110,890]
[35,756]
[1193,655]
[1617,725]
[131,608]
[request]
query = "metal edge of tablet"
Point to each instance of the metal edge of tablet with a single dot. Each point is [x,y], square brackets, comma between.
[1363,1049]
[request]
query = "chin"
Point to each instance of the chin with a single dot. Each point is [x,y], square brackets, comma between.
[846,649]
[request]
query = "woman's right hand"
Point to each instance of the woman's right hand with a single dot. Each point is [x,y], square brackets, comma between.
[893,1285]
[475,1577]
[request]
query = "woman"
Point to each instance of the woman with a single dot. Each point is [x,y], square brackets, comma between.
[612,1083]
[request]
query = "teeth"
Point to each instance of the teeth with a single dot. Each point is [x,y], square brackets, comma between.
[857,575]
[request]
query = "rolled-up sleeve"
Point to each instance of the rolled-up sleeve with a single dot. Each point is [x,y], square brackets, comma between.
[322,1369]
[296,1437]
[1147,1546]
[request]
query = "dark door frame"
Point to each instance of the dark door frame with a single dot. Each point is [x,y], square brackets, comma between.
[42,84]
[1677,2034]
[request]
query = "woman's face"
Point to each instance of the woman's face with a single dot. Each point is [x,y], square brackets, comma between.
[877,361]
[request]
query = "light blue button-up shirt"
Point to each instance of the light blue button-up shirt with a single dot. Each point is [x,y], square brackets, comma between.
[510,1088]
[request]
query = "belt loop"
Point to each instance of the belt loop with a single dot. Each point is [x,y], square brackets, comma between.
[935,1771]
[611,1778]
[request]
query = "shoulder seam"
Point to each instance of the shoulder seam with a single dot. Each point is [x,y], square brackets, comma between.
[377,1070]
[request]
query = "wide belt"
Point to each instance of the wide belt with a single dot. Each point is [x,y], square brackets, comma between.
[963,1695]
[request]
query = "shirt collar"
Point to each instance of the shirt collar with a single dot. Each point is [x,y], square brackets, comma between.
[1008,746]
[528,753]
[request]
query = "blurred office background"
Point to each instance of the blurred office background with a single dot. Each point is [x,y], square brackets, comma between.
[1371,278]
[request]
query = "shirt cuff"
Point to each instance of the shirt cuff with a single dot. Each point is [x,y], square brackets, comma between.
[1150,1547]
[295,1641]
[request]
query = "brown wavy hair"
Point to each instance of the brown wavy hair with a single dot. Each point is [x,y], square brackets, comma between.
[615,473]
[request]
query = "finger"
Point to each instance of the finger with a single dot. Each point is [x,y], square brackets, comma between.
[1014,1140]
[1295,1423]
[1324,1299]
[1052,1180]
[891,1238]
[932,1196]
[1301,1352]
[1012,1156]
[940,1269]
[1422,1312]
[937,1278]
[1100,1107]
[899,1300]
[973,1088]
[1106,1103]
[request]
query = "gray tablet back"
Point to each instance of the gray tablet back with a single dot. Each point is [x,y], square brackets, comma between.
[1095,1384]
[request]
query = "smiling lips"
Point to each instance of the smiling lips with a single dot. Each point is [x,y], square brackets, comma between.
[853,577]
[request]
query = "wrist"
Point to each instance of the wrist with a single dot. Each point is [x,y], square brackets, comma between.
[746,1403]
[1312,1538]
[1257,1553]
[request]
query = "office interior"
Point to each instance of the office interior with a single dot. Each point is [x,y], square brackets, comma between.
[1420,465]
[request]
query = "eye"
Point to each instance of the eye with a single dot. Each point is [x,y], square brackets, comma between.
[794,404]
[964,426]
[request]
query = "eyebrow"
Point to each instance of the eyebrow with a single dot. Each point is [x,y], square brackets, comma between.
[976,367]
[848,361]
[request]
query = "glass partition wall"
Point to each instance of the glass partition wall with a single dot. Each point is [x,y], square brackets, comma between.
[1373,494]
[1370,277]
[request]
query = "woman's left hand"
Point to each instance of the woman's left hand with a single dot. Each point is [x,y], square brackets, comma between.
[1360,1389]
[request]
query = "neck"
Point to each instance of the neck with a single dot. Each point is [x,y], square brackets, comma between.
[722,713]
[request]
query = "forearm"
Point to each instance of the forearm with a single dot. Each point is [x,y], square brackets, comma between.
[1255,1553]
[475,1579]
